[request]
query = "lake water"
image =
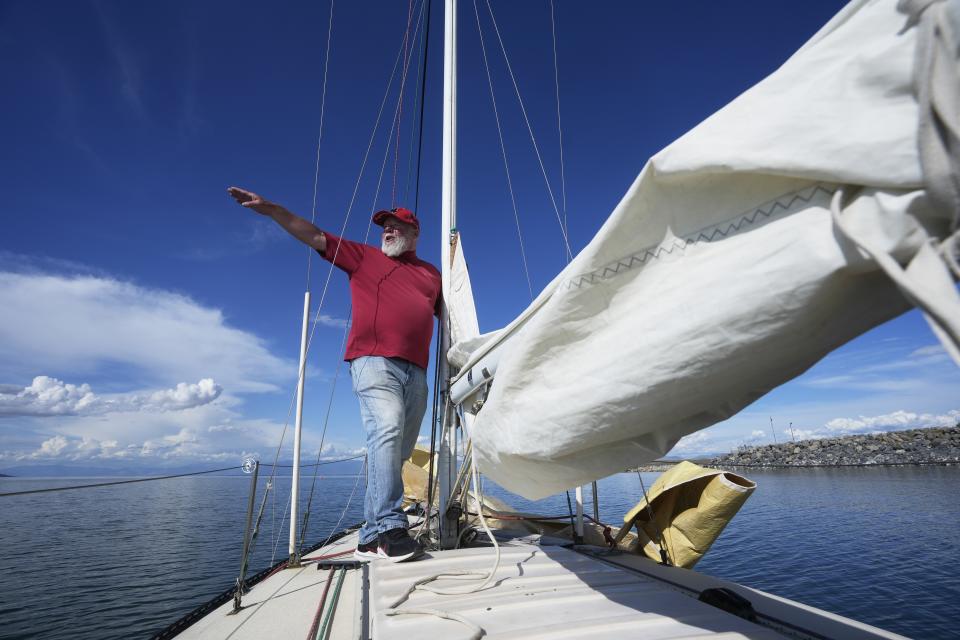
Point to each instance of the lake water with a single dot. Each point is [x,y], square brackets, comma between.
[875,544]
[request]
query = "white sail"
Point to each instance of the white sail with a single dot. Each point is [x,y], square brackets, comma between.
[460,304]
[724,272]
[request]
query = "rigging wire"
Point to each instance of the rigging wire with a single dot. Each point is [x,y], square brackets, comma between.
[413,122]
[346,219]
[423,96]
[323,104]
[433,423]
[323,435]
[109,484]
[503,151]
[403,84]
[556,81]
[533,138]
[336,527]
[150,479]
[376,196]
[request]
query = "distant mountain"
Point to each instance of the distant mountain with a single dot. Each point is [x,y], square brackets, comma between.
[54,470]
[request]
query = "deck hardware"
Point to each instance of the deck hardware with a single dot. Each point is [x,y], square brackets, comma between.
[338,564]
[730,601]
[238,595]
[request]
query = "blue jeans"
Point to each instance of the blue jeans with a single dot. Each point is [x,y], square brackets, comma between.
[393,399]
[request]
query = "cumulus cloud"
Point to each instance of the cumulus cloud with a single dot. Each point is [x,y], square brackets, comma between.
[693,444]
[86,323]
[62,447]
[48,396]
[896,421]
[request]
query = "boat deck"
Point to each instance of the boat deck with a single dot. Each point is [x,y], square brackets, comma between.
[541,590]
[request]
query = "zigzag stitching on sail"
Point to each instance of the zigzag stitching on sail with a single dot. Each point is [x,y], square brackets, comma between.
[707,234]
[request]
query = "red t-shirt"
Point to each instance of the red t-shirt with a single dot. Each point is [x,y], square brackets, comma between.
[394,301]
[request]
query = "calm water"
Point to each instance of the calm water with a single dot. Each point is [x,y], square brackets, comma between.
[878,545]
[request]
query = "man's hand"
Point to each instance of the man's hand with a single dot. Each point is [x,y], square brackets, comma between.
[302,230]
[251,200]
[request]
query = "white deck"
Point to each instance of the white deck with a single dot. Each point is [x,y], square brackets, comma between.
[541,591]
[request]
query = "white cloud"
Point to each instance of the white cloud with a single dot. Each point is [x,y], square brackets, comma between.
[48,396]
[331,321]
[694,444]
[84,324]
[184,396]
[62,447]
[895,421]
[889,371]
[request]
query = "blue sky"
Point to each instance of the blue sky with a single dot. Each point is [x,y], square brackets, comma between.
[149,321]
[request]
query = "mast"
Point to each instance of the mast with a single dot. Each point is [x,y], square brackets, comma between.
[447,455]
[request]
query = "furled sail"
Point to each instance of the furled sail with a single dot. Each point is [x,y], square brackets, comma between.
[799,216]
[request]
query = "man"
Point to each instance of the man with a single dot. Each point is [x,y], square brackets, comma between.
[395,296]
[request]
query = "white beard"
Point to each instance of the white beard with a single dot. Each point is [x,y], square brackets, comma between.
[400,245]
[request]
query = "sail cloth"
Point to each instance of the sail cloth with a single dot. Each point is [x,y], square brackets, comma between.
[461,311]
[742,254]
[691,506]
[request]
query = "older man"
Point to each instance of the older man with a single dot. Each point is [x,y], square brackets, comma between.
[395,296]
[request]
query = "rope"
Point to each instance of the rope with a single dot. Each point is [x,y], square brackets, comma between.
[653,521]
[325,627]
[503,152]
[454,574]
[116,482]
[476,631]
[315,625]
[533,138]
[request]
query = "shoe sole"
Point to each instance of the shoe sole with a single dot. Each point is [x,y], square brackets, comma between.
[401,558]
[366,555]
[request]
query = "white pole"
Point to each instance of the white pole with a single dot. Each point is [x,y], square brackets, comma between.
[578,529]
[295,488]
[447,460]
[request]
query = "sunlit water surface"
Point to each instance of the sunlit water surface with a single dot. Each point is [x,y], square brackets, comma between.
[875,544]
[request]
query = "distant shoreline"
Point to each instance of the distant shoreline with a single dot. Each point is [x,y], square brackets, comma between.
[936,446]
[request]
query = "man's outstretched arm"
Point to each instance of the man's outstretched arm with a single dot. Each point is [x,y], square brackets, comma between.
[301,229]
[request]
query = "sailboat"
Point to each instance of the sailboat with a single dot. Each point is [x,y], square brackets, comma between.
[773,232]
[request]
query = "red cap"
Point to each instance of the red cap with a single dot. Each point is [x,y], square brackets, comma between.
[401,214]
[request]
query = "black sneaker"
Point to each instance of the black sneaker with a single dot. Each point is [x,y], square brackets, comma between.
[396,545]
[367,551]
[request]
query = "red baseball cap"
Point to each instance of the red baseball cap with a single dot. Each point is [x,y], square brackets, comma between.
[401,214]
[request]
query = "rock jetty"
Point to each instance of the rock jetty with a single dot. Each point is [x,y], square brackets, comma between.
[939,445]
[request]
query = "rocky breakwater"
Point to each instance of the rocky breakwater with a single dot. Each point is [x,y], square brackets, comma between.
[917,446]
